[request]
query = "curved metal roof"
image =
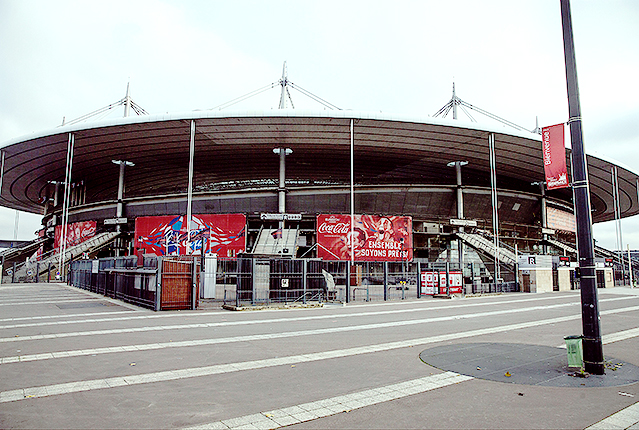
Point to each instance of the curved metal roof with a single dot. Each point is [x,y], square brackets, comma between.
[236,150]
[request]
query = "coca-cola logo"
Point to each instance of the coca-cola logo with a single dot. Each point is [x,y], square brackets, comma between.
[338,228]
[88,230]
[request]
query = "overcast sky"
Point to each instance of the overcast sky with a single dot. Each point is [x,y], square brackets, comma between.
[68,58]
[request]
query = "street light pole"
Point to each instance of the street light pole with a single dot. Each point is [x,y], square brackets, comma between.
[119,211]
[281,190]
[460,210]
[592,345]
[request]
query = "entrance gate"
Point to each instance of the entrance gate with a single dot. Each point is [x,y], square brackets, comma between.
[179,284]
[261,280]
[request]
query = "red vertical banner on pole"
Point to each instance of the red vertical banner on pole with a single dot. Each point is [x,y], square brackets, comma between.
[554,150]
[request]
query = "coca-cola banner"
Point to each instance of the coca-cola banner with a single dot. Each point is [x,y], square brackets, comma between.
[374,238]
[222,234]
[554,151]
[77,233]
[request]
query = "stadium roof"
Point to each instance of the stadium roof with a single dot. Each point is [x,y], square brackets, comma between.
[235,149]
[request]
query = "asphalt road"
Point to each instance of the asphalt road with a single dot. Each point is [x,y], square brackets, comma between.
[71,359]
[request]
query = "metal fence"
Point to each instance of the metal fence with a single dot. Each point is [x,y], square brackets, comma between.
[164,283]
[119,278]
[264,281]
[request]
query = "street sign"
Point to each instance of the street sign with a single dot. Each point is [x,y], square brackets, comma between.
[113,221]
[280,217]
[463,222]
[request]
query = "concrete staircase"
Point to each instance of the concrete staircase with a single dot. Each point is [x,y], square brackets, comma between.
[486,246]
[562,246]
[94,243]
[269,242]
[20,251]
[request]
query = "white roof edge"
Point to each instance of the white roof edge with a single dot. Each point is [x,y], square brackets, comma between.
[342,114]
[200,114]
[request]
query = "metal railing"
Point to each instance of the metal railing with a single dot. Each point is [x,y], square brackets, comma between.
[268,281]
[35,270]
[118,278]
[160,284]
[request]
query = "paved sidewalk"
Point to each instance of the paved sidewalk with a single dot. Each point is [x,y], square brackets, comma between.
[73,359]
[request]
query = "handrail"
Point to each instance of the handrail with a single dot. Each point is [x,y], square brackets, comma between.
[54,253]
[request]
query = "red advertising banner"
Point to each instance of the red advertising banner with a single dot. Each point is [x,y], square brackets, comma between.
[554,151]
[433,284]
[221,234]
[77,233]
[374,238]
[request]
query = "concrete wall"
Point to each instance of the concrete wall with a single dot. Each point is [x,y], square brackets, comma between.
[608,277]
[540,280]
[563,278]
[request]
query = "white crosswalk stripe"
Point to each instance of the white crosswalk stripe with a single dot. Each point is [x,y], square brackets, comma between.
[43,391]
[334,405]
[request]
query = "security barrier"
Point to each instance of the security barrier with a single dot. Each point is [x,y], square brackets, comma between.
[173,282]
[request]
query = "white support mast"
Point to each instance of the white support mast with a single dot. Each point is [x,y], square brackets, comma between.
[127,100]
[284,82]
[455,101]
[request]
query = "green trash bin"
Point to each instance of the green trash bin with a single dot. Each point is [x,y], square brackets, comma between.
[575,351]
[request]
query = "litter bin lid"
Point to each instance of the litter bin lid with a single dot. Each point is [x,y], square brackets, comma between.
[574,336]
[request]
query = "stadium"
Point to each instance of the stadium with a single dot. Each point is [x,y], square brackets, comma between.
[327,185]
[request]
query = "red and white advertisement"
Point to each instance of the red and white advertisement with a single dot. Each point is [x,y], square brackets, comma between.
[554,151]
[435,282]
[429,283]
[77,233]
[374,237]
[221,234]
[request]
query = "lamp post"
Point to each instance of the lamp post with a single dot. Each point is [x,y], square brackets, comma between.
[120,206]
[281,190]
[460,208]
[592,344]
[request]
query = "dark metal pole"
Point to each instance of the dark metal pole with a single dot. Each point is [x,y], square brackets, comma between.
[348,281]
[385,280]
[592,346]
[419,279]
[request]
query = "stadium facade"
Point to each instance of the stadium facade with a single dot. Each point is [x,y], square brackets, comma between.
[268,182]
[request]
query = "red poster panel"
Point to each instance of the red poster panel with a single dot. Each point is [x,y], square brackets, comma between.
[221,234]
[429,283]
[455,282]
[77,233]
[554,151]
[433,284]
[374,238]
